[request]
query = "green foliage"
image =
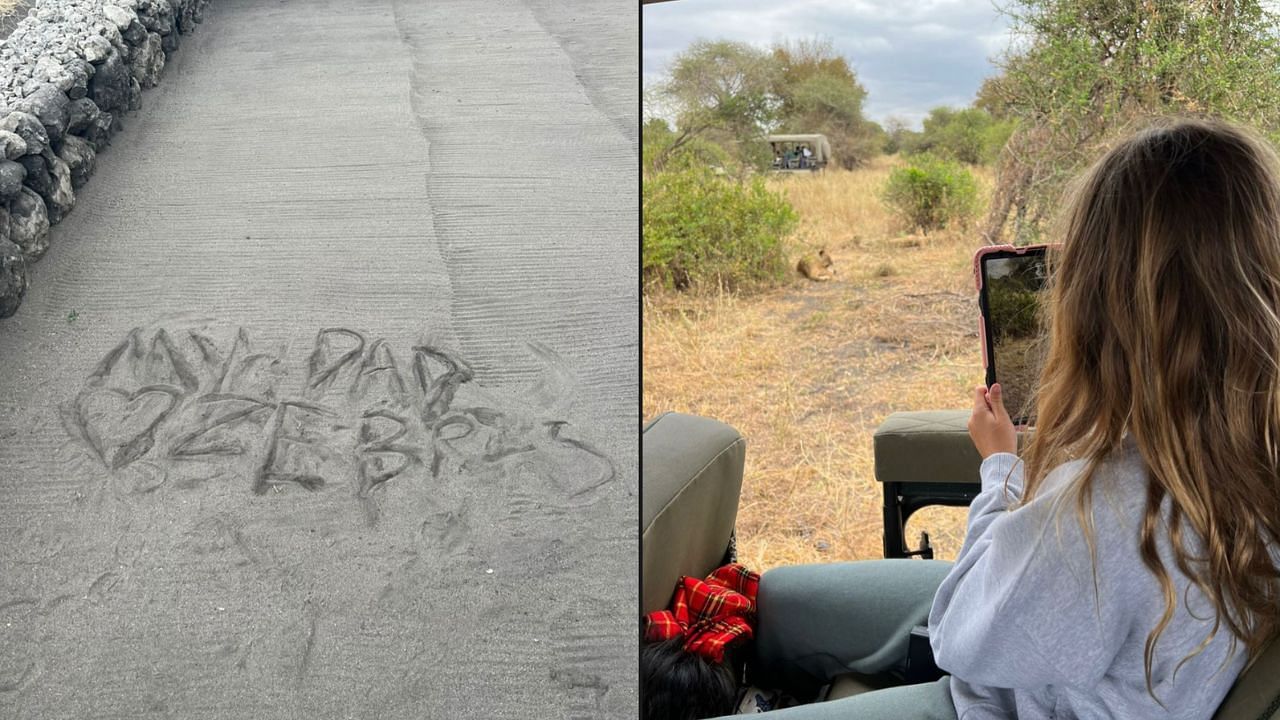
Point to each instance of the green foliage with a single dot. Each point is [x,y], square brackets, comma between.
[701,229]
[899,138]
[731,94]
[818,92]
[970,135]
[1014,309]
[722,91]
[656,138]
[1084,71]
[660,149]
[931,193]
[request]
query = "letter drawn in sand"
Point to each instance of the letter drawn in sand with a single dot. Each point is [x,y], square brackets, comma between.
[581,488]
[443,433]
[380,451]
[439,375]
[296,455]
[379,377]
[128,353]
[214,436]
[166,364]
[327,360]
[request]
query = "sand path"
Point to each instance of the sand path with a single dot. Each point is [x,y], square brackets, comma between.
[323,401]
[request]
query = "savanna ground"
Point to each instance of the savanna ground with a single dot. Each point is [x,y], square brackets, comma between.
[808,370]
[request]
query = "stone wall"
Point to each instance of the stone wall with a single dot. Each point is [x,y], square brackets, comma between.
[68,72]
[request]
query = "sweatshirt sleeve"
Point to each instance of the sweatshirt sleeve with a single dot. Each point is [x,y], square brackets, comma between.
[1017,609]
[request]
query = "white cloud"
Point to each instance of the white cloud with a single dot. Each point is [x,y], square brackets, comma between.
[911,55]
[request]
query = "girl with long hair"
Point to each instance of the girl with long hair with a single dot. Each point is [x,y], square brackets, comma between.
[1125,565]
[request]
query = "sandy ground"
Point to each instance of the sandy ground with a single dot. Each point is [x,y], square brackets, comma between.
[323,401]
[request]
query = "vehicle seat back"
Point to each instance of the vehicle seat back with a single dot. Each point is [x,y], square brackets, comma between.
[690,480]
[1256,694]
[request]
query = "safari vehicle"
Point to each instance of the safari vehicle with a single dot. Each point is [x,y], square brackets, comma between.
[788,152]
[691,479]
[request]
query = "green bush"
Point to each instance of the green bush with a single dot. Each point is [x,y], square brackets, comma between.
[1014,310]
[703,229]
[930,193]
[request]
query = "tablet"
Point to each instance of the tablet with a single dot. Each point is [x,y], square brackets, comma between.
[1011,289]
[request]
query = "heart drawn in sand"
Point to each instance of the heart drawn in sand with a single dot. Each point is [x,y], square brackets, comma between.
[120,426]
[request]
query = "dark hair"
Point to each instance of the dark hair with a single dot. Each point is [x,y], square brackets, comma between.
[679,685]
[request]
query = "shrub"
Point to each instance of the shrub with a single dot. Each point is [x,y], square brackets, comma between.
[1014,310]
[701,228]
[930,193]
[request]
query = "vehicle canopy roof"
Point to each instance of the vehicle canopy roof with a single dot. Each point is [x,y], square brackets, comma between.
[817,143]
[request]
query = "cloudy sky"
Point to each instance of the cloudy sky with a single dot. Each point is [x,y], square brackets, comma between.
[910,55]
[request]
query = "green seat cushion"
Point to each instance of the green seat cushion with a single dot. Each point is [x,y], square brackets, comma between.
[927,446]
[690,481]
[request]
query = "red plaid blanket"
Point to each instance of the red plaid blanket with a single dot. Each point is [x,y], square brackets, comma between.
[710,614]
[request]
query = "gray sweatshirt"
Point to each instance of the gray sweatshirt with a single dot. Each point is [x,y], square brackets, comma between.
[1018,625]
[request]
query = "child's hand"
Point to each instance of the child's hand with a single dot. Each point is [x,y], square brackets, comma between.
[989,426]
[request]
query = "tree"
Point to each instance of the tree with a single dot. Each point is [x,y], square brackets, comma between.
[818,92]
[970,135]
[721,90]
[900,137]
[1082,71]
[657,139]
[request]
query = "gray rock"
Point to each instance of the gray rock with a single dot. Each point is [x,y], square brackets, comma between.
[95,48]
[47,67]
[100,130]
[80,73]
[135,34]
[170,43]
[11,176]
[148,61]
[61,197]
[188,16]
[109,31]
[109,88]
[78,154]
[29,128]
[12,146]
[83,112]
[135,94]
[118,15]
[13,278]
[29,224]
[160,20]
[38,177]
[52,107]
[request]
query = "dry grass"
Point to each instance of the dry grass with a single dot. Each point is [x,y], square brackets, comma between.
[807,371]
[7,7]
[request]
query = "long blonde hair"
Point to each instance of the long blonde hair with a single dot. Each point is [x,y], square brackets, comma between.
[1164,323]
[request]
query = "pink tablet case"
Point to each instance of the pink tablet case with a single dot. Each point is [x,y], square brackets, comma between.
[977,275]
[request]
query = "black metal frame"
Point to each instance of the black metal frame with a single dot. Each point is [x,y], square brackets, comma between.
[902,500]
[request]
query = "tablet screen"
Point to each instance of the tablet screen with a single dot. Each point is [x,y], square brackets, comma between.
[1012,291]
